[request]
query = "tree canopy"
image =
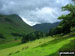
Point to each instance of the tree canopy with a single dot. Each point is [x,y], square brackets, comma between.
[68,21]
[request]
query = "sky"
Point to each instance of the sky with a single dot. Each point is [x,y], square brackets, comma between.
[34,11]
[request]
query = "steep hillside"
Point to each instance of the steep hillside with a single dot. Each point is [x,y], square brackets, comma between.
[12,27]
[45,27]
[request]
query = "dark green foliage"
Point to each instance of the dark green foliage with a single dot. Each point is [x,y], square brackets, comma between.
[73,29]
[55,31]
[1,36]
[10,54]
[33,36]
[68,21]
[8,20]
[17,34]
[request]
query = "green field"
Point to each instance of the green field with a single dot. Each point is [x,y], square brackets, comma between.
[49,46]
[10,44]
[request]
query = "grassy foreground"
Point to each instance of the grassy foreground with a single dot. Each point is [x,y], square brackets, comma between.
[30,45]
[10,44]
[49,46]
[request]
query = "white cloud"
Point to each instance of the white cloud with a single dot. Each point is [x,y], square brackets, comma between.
[33,11]
[43,15]
[29,22]
[45,10]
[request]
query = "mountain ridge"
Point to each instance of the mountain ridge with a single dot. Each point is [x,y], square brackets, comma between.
[45,27]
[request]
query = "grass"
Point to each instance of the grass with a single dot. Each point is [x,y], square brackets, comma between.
[47,50]
[49,46]
[69,45]
[22,47]
[10,44]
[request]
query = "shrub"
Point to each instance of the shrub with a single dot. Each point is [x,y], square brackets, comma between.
[33,36]
[1,36]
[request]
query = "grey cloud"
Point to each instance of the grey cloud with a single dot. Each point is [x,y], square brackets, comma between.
[12,6]
[28,9]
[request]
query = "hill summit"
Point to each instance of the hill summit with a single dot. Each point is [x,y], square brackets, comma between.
[12,27]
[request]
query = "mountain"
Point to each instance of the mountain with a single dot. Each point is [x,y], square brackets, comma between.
[12,27]
[45,27]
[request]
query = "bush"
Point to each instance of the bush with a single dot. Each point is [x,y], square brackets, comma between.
[33,36]
[73,29]
[1,36]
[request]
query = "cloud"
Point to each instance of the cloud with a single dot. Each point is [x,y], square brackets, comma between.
[34,11]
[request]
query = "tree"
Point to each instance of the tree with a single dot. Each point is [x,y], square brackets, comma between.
[33,36]
[68,21]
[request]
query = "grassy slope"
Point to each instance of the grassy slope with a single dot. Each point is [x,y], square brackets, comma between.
[10,44]
[12,24]
[42,47]
[5,52]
